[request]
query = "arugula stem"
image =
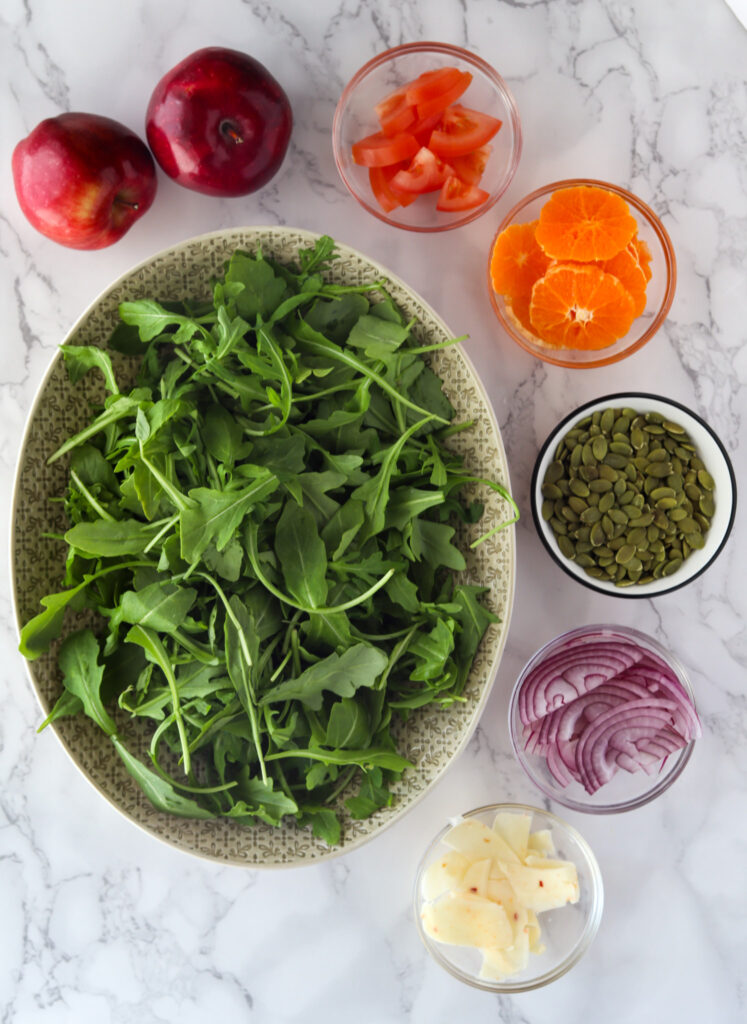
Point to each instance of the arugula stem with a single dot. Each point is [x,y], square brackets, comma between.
[420,349]
[345,606]
[169,523]
[219,788]
[345,777]
[97,508]
[178,499]
[498,489]
[334,352]
[281,666]
[152,644]
[252,709]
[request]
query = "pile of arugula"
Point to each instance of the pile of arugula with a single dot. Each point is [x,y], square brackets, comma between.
[263,524]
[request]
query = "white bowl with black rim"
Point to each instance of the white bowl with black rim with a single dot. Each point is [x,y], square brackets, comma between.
[712,454]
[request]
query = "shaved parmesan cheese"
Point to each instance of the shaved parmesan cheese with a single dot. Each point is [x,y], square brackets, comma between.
[541,841]
[488,888]
[544,888]
[476,841]
[476,877]
[444,874]
[463,919]
[514,829]
[499,891]
[535,932]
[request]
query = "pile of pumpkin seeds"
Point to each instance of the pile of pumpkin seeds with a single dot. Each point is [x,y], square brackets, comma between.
[627,496]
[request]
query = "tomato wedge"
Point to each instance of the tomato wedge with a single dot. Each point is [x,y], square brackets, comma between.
[471,167]
[435,90]
[462,130]
[387,196]
[378,150]
[395,114]
[423,128]
[426,173]
[457,195]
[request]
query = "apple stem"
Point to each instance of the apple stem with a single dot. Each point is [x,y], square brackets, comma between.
[127,203]
[227,128]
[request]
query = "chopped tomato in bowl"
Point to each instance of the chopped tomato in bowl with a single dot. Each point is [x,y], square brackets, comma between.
[426,136]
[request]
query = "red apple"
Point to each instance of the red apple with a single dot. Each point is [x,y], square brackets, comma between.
[83,180]
[219,123]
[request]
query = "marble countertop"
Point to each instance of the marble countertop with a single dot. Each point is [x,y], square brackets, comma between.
[100,922]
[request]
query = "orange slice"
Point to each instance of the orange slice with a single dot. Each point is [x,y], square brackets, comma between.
[644,255]
[517,309]
[584,223]
[517,260]
[580,307]
[630,274]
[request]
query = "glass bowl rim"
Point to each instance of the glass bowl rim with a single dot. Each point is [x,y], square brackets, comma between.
[555,793]
[541,528]
[591,925]
[552,356]
[447,50]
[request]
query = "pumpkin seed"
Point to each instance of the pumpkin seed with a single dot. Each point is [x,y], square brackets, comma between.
[624,554]
[637,537]
[566,546]
[707,505]
[591,515]
[579,488]
[705,479]
[658,469]
[637,438]
[673,428]
[599,448]
[597,535]
[606,420]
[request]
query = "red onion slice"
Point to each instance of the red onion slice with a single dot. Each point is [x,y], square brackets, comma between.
[570,673]
[604,704]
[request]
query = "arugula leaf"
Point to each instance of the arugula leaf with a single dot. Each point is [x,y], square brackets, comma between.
[301,555]
[373,794]
[162,606]
[82,675]
[342,674]
[79,359]
[162,794]
[214,516]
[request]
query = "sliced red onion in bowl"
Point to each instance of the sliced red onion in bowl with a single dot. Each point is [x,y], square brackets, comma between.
[603,704]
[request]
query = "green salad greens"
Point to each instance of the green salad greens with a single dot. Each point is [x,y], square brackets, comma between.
[263,524]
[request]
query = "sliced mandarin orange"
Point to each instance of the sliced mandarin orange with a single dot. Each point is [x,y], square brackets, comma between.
[644,255]
[580,307]
[517,260]
[517,309]
[584,223]
[630,274]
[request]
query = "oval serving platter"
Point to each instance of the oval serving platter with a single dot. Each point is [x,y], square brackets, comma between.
[432,737]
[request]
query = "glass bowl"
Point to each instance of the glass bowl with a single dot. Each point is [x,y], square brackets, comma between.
[355,118]
[659,293]
[626,790]
[710,450]
[566,932]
